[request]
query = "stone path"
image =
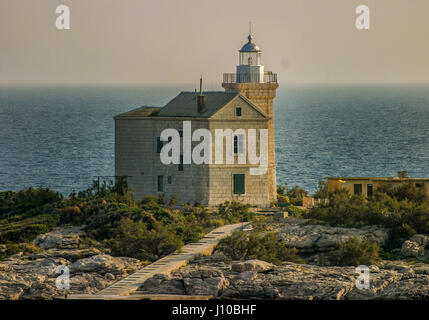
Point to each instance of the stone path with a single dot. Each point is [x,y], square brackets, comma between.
[166,265]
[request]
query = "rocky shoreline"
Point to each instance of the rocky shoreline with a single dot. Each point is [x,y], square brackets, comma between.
[92,269]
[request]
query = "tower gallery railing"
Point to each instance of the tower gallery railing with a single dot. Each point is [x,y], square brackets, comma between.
[250,77]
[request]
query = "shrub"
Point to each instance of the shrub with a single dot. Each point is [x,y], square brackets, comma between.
[404,191]
[257,245]
[26,199]
[13,248]
[322,191]
[25,233]
[399,208]
[234,212]
[354,252]
[294,211]
[293,195]
[134,240]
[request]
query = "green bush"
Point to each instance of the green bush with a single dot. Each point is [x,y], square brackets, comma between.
[257,245]
[294,211]
[134,240]
[12,202]
[401,209]
[354,252]
[293,195]
[13,248]
[24,234]
[235,212]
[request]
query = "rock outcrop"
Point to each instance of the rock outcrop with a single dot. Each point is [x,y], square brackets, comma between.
[310,239]
[388,280]
[34,276]
[67,237]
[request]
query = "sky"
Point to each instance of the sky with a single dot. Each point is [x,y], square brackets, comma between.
[176,41]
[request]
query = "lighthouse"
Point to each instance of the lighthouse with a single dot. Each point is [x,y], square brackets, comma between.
[233,116]
[259,86]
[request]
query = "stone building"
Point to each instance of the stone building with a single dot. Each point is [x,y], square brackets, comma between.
[246,103]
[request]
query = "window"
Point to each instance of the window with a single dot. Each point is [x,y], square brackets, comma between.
[181,163]
[420,185]
[169,179]
[159,144]
[239,184]
[239,140]
[358,188]
[160,183]
[238,112]
[369,190]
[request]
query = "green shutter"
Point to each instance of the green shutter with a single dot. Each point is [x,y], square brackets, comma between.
[239,185]
[159,144]
[181,163]
[160,183]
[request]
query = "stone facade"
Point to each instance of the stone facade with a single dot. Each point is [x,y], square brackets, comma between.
[262,95]
[136,156]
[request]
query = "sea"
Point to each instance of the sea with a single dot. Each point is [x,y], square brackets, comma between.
[62,136]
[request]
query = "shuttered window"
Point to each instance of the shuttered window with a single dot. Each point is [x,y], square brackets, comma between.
[239,184]
[369,190]
[160,183]
[181,163]
[358,188]
[239,144]
[159,144]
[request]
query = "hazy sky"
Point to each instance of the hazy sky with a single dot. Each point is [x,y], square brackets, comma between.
[174,41]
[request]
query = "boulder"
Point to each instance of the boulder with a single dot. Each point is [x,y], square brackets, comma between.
[251,265]
[69,254]
[412,249]
[163,284]
[205,282]
[421,239]
[62,237]
[109,276]
[105,264]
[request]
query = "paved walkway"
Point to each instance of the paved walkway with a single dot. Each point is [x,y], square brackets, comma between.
[165,265]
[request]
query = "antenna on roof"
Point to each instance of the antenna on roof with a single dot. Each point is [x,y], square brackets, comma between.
[200,100]
[250,27]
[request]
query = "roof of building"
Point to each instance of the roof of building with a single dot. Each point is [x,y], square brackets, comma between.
[143,111]
[185,104]
[250,46]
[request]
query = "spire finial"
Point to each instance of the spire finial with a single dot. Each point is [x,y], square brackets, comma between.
[250,31]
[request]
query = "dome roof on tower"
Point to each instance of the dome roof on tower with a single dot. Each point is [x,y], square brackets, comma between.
[250,46]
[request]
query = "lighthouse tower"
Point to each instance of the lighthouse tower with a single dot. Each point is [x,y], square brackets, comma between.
[259,86]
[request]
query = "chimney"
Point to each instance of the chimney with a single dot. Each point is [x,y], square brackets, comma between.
[200,98]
